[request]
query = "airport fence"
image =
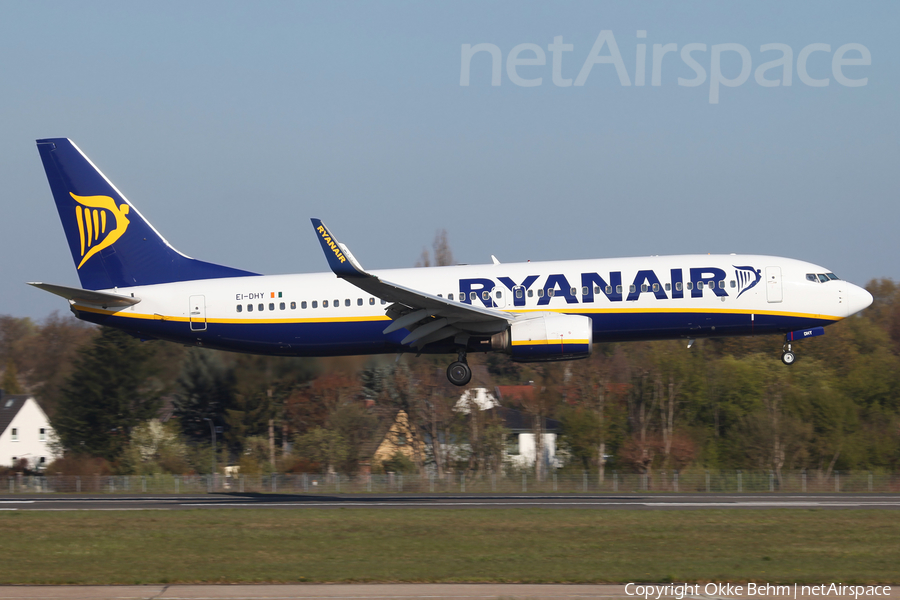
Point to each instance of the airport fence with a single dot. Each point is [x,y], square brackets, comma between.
[693,481]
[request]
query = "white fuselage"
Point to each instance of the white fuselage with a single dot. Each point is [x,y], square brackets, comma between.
[660,297]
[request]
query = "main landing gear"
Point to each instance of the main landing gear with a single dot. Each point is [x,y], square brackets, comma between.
[787,356]
[459,372]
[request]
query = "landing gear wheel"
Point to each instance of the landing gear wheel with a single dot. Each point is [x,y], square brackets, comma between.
[459,373]
[788,358]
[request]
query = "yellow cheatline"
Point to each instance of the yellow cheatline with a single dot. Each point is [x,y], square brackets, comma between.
[386,318]
[723,311]
[154,317]
[548,342]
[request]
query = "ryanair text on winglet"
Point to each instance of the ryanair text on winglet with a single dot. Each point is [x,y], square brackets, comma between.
[330,243]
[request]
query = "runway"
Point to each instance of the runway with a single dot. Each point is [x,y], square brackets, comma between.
[70,502]
[378,591]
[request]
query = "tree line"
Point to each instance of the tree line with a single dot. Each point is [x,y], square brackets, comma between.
[119,405]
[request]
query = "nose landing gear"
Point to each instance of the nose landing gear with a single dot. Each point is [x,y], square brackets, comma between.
[787,356]
[459,372]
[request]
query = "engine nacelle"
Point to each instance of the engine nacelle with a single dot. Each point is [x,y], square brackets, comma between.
[545,337]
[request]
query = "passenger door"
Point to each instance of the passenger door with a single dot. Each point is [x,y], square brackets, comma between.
[197,313]
[773,284]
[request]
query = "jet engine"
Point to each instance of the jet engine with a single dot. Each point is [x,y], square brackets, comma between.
[546,337]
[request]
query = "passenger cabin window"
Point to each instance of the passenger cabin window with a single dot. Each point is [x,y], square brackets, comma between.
[632,289]
[499,294]
[584,291]
[732,283]
[574,291]
[372,301]
[689,285]
[303,304]
[722,284]
[240,307]
[518,292]
[294,305]
[530,293]
[450,296]
[249,308]
[678,285]
[272,306]
[281,305]
[485,295]
[473,296]
[655,287]
[668,287]
[551,292]
[383,301]
[359,302]
[645,287]
[540,292]
[261,307]
[608,290]
[618,289]
[337,303]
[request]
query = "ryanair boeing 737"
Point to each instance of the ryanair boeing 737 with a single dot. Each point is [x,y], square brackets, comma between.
[133,279]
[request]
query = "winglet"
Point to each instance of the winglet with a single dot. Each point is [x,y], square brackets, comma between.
[339,257]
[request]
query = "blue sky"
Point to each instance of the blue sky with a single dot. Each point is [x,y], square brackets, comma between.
[229,125]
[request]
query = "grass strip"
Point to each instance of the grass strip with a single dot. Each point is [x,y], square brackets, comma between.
[427,545]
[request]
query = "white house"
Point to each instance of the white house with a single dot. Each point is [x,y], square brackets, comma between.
[24,432]
[521,450]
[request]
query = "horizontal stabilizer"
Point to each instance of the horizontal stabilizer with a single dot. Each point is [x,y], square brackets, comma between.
[79,296]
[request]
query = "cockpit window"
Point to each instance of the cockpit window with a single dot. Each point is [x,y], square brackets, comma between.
[832,276]
[812,277]
[823,277]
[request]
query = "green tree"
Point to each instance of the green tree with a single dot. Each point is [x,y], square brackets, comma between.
[110,391]
[10,382]
[355,425]
[156,448]
[206,392]
[326,447]
[581,434]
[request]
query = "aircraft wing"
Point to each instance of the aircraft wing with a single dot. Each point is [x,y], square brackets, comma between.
[429,318]
[90,297]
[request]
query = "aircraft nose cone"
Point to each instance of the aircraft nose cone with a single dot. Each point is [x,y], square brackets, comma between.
[857,299]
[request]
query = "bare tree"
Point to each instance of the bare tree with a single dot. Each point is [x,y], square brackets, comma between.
[443,256]
[441,252]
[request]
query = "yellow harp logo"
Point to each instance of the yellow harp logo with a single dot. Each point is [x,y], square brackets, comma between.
[91,213]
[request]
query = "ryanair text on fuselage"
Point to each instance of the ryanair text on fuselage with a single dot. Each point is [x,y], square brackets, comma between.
[645,281]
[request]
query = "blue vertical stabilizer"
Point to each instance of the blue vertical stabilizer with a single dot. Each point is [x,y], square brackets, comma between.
[111,243]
